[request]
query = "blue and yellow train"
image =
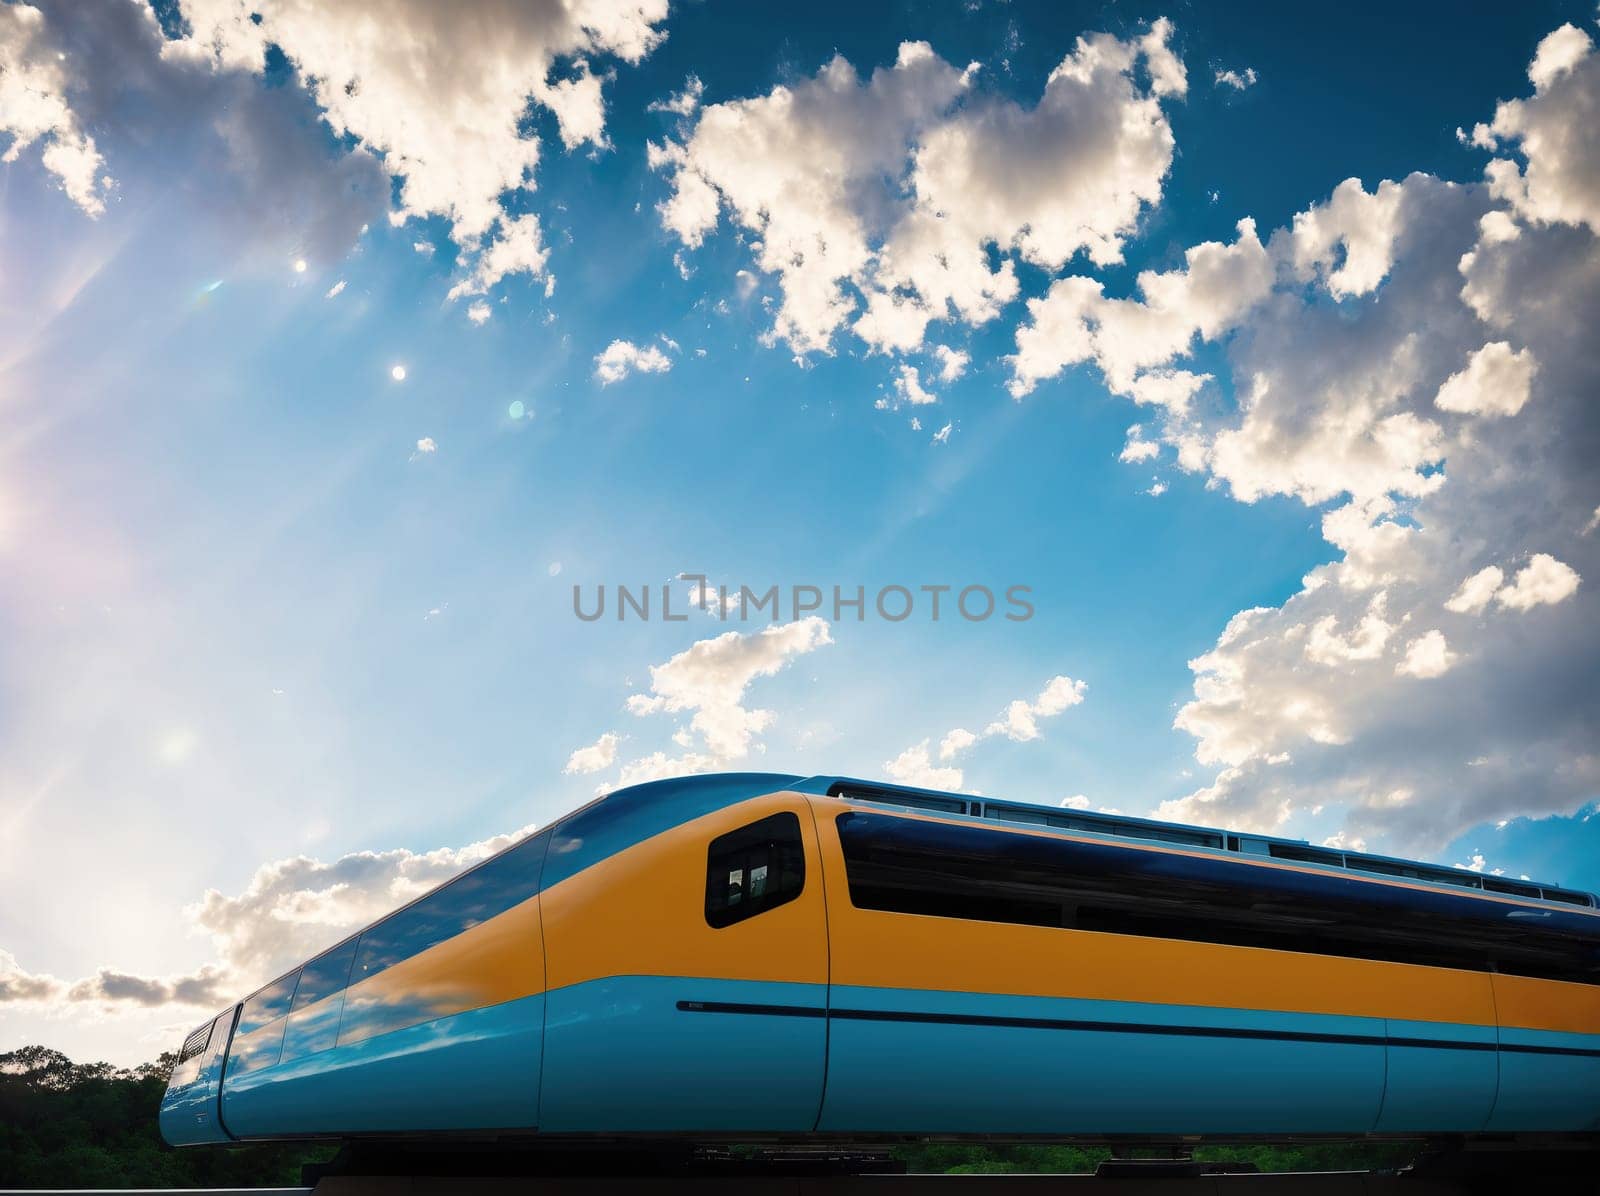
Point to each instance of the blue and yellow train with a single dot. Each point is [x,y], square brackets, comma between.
[761,956]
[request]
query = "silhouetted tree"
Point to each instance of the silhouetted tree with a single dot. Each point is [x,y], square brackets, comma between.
[92,1125]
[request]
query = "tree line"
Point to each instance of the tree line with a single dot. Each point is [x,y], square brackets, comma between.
[92,1125]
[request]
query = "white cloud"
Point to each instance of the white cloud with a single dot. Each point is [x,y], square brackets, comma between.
[685,103]
[111,989]
[1238,80]
[622,358]
[336,289]
[17,985]
[1496,381]
[597,757]
[479,312]
[274,186]
[1075,322]
[1364,641]
[1558,53]
[34,108]
[1018,722]
[1138,448]
[426,446]
[908,386]
[1543,581]
[1553,130]
[1348,242]
[659,766]
[1475,593]
[914,767]
[955,742]
[294,907]
[942,436]
[789,167]
[874,203]
[708,681]
[441,98]
[952,362]
[1427,656]
[288,911]
[517,249]
[1379,303]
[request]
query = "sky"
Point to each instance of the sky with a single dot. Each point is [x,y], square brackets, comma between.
[347,351]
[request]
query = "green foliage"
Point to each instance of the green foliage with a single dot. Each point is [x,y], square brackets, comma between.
[1315,1156]
[954,1158]
[91,1125]
[960,1158]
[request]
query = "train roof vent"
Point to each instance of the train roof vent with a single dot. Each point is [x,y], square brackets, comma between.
[1104,825]
[894,797]
[1439,876]
[1568,896]
[1515,888]
[195,1043]
[1305,854]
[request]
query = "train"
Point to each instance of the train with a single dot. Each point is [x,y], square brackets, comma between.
[763,957]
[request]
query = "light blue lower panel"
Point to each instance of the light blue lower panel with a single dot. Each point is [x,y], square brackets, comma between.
[1439,1088]
[473,1070]
[621,1056]
[1547,1092]
[927,1076]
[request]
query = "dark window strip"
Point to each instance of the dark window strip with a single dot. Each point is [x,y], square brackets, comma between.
[943,870]
[1151,1028]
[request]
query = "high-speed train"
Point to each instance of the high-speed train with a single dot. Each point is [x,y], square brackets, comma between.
[763,957]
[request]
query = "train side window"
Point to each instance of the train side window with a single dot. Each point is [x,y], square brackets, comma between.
[473,897]
[754,869]
[267,1005]
[325,975]
[195,1043]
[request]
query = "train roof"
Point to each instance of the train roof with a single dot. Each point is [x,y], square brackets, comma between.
[1149,830]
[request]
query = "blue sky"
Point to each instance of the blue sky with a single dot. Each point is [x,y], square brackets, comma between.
[278,627]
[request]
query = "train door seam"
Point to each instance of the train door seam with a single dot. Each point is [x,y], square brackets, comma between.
[1383,1093]
[1499,1060]
[222,1069]
[827,974]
